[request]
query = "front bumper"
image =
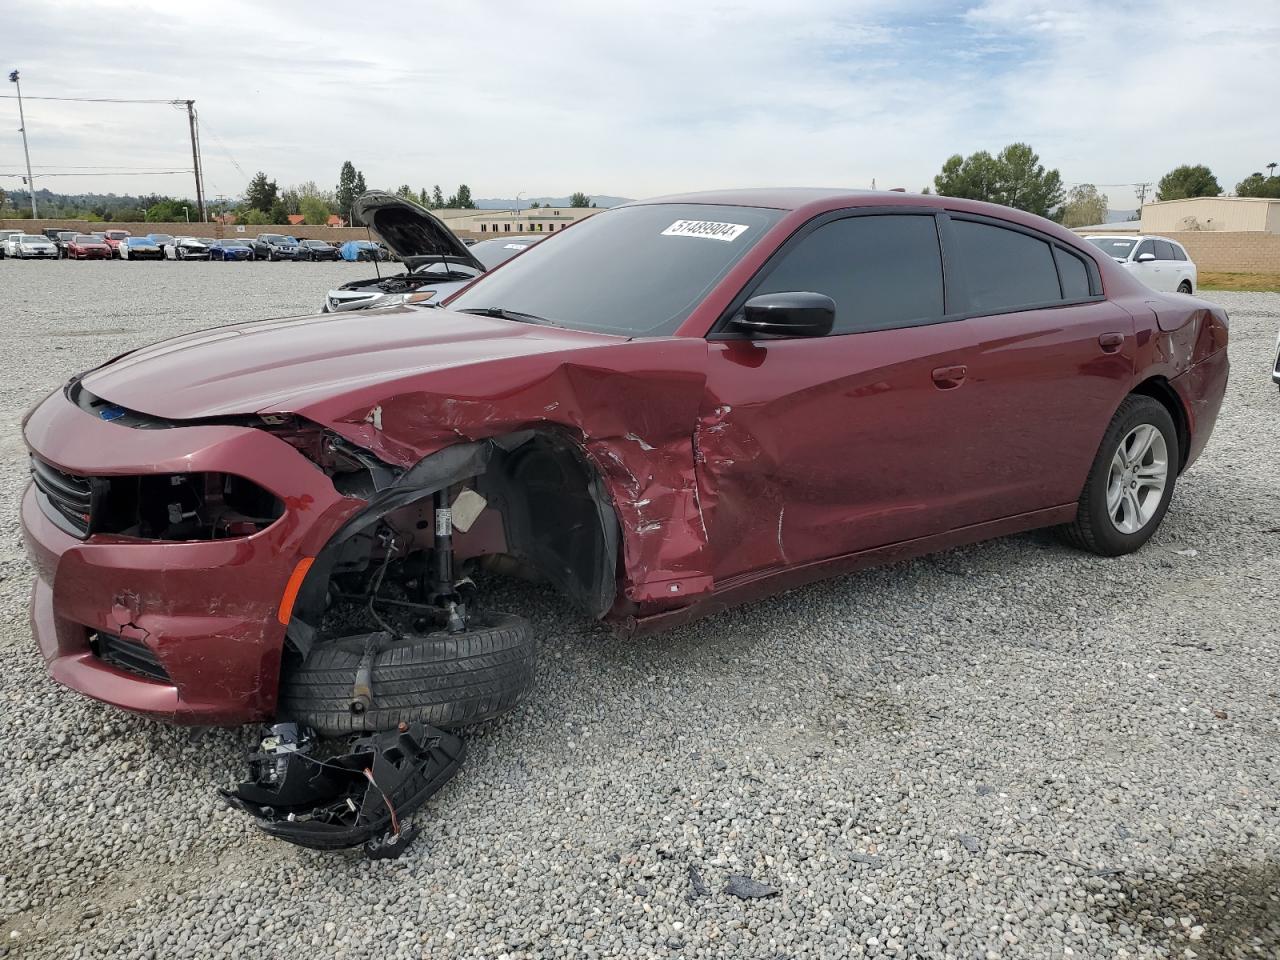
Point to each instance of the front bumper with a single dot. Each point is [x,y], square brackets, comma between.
[206,611]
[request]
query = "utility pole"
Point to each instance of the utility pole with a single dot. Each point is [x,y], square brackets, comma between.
[195,159]
[22,119]
[1141,190]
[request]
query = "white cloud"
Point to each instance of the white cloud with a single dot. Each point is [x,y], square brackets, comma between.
[643,98]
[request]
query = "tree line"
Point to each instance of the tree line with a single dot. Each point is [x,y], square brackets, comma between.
[1016,178]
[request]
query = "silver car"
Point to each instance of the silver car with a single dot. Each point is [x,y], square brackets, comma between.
[437,262]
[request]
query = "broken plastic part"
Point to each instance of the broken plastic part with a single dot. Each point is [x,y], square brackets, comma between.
[362,797]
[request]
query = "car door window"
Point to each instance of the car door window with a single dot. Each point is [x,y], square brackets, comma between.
[1004,269]
[881,271]
[1164,250]
[1146,246]
[1074,275]
[1178,252]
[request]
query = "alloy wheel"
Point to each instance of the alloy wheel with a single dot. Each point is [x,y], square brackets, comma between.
[1136,480]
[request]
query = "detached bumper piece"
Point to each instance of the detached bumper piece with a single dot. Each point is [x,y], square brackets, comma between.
[360,798]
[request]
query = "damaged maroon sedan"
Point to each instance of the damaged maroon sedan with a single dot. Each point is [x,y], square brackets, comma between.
[678,405]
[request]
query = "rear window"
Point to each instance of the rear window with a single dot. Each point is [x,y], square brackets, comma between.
[1074,275]
[1004,269]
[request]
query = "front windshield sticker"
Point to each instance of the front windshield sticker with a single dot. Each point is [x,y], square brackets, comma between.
[709,229]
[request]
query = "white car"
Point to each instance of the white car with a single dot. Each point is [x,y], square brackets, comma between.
[30,246]
[186,248]
[4,241]
[1162,264]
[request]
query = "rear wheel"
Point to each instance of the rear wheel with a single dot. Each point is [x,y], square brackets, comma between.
[1130,483]
[442,679]
[1184,286]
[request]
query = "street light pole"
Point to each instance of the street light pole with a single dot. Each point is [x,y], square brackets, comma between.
[22,119]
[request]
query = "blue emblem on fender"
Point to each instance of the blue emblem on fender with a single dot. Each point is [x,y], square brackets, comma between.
[112,413]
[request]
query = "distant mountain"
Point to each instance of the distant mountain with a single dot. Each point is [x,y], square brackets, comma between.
[1120,216]
[504,203]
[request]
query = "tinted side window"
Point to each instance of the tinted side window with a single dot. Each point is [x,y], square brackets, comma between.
[882,271]
[1178,252]
[1073,274]
[1146,246]
[1004,269]
[1164,250]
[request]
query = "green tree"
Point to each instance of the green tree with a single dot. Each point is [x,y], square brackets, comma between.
[1256,185]
[167,211]
[424,197]
[1014,177]
[278,213]
[1084,206]
[579,200]
[292,200]
[535,205]
[315,212]
[406,192]
[253,217]
[462,199]
[437,198]
[261,192]
[1188,180]
[346,193]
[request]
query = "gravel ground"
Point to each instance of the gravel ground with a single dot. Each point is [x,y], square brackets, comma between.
[1011,750]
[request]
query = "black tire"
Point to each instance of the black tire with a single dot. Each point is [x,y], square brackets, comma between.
[441,679]
[1184,286]
[1093,529]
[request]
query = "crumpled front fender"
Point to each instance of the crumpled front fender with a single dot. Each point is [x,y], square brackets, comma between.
[631,405]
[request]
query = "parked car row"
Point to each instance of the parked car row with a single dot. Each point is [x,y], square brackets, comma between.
[57,244]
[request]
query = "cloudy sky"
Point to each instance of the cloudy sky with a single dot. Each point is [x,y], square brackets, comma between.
[639,98]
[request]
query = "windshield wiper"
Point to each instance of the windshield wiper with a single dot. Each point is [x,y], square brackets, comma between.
[502,313]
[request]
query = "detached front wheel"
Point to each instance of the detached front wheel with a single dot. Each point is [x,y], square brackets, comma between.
[1130,483]
[441,679]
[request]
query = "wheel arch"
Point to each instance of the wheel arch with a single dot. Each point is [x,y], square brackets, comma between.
[1159,389]
[558,518]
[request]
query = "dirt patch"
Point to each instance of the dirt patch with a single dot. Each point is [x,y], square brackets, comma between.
[1226,911]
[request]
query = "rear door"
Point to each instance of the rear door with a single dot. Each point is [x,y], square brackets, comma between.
[1050,360]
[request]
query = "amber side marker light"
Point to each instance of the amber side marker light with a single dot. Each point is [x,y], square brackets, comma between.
[291,589]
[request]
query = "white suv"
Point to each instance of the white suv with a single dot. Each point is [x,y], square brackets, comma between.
[1160,263]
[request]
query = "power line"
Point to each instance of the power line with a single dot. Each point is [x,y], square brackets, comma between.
[10,96]
[104,173]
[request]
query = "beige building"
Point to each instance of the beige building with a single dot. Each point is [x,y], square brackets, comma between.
[485,223]
[1229,214]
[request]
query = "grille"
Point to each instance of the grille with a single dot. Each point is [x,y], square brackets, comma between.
[127,655]
[70,499]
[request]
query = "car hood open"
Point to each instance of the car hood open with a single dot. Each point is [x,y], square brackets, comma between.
[288,364]
[411,231]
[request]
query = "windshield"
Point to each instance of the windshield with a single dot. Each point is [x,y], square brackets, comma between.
[85,238]
[1118,247]
[160,237]
[28,238]
[633,272]
[117,234]
[140,242]
[231,243]
[315,244]
[66,235]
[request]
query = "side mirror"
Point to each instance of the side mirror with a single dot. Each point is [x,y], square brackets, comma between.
[794,314]
[1146,257]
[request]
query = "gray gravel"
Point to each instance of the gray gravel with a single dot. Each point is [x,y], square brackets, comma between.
[1012,750]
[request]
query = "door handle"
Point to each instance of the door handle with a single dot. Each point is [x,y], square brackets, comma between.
[948,378]
[1110,342]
